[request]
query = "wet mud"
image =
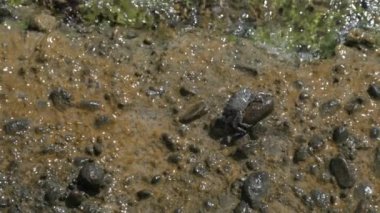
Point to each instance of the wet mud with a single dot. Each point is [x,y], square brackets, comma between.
[119,120]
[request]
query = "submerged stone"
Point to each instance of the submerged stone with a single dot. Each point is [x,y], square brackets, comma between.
[342,172]
[255,188]
[16,126]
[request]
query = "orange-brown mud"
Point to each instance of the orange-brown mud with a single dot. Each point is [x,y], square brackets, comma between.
[138,81]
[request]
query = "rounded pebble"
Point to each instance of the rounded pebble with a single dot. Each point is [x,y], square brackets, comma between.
[91,178]
[374,91]
[16,126]
[342,172]
[340,134]
[255,188]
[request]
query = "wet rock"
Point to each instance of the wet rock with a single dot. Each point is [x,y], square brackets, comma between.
[321,199]
[363,191]
[156,179]
[301,154]
[255,188]
[374,133]
[374,91]
[144,194]
[91,178]
[330,107]
[155,91]
[52,195]
[340,134]
[316,143]
[342,172]
[304,95]
[16,126]
[98,149]
[194,112]
[61,98]
[169,142]
[102,120]
[43,23]
[187,92]
[90,105]
[75,199]
[194,149]
[244,151]
[200,170]
[243,207]
[208,205]
[81,161]
[175,158]
[354,105]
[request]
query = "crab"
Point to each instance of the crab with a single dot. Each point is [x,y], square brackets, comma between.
[243,110]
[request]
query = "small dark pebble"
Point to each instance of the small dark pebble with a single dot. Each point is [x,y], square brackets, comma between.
[374,91]
[242,207]
[175,158]
[363,191]
[244,151]
[342,172]
[102,120]
[156,179]
[200,170]
[374,133]
[208,205]
[247,69]
[194,149]
[304,96]
[316,143]
[144,194]
[194,112]
[89,150]
[52,196]
[147,41]
[61,98]
[98,149]
[91,178]
[255,188]
[179,210]
[339,69]
[301,154]
[340,134]
[169,142]
[90,105]
[74,199]
[131,35]
[253,165]
[330,107]
[155,91]
[354,105]
[321,199]
[16,126]
[186,92]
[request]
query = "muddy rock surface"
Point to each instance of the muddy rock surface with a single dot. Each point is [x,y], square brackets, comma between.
[97,120]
